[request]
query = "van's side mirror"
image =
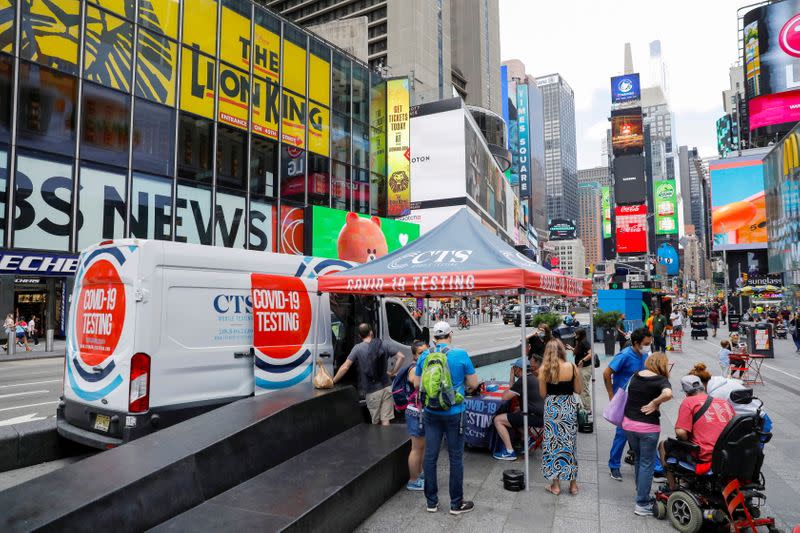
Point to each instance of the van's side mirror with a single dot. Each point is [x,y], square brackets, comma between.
[426,335]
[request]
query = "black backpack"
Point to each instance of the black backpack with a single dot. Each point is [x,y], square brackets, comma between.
[377,362]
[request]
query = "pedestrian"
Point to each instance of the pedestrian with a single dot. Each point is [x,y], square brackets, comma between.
[9,327]
[516,420]
[725,357]
[723,311]
[32,330]
[583,359]
[21,328]
[616,375]
[659,330]
[558,382]
[374,382]
[794,325]
[622,335]
[539,340]
[416,430]
[648,389]
[442,420]
[713,319]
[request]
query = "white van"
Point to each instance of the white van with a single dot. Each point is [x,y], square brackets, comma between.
[159,332]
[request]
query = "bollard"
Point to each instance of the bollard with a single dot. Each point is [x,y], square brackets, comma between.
[11,347]
[48,340]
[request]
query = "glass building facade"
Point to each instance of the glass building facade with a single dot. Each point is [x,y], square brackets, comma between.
[200,121]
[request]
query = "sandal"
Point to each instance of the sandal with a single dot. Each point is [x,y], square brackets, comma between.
[552,491]
[573,491]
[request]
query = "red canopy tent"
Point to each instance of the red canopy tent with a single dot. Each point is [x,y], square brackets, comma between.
[460,257]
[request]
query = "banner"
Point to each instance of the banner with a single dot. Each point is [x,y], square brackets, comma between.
[666,207]
[523,137]
[398,149]
[377,132]
[337,234]
[605,204]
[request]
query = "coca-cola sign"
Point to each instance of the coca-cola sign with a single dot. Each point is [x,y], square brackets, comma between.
[631,233]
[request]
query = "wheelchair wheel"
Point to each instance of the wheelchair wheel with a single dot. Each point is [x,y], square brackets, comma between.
[684,513]
[660,510]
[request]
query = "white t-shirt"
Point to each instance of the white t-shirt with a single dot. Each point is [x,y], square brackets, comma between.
[676,319]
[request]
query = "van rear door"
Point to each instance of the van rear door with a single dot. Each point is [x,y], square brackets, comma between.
[289,321]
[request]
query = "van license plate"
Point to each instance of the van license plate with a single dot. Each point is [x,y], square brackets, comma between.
[101,422]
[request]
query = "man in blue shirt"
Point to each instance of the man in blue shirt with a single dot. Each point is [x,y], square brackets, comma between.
[624,365]
[449,424]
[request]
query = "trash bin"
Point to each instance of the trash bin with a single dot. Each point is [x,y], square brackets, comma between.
[48,340]
[11,339]
[760,340]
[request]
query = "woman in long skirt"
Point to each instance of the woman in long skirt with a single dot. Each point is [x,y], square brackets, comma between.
[558,381]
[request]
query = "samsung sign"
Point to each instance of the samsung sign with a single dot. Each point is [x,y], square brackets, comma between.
[524,158]
[625,88]
[42,264]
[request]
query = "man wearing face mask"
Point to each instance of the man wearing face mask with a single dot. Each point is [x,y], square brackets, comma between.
[624,365]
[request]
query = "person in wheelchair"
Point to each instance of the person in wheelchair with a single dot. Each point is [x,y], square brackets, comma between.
[701,419]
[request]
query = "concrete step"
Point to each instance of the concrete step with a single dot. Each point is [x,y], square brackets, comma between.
[150,480]
[332,487]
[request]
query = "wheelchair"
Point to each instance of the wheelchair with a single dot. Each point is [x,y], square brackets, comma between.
[727,493]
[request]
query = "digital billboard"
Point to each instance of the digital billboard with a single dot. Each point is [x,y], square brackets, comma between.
[625,88]
[665,198]
[772,63]
[524,141]
[356,237]
[562,229]
[738,204]
[605,205]
[629,184]
[398,158]
[627,134]
[631,234]
[727,135]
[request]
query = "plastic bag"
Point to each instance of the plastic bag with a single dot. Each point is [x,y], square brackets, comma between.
[322,379]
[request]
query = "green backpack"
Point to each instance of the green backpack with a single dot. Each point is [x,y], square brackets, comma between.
[437,389]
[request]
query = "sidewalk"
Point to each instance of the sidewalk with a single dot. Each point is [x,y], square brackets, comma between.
[37,351]
[603,504]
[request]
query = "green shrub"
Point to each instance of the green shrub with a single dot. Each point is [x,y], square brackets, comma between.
[553,320]
[606,320]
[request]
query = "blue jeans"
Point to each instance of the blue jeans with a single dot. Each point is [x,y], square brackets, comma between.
[617,447]
[437,427]
[644,446]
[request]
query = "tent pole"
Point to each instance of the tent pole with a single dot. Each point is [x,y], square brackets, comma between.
[524,356]
[315,325]
[591,343]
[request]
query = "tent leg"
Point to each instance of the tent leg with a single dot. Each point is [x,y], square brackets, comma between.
[591,343]
[524,356]
[315,325]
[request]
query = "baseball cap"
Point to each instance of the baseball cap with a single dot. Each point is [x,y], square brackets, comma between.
[691,384]
[517,363]
[441,329]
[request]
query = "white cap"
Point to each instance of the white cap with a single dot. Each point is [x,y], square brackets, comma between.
[441,329]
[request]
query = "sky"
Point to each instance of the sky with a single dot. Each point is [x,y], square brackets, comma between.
[584,41]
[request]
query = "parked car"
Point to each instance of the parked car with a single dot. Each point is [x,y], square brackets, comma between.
[531,311]
[510,313]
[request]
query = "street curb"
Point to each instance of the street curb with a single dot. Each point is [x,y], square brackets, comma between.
[32,443]
[47,355]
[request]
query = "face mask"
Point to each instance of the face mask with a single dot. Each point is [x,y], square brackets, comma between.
[646,349]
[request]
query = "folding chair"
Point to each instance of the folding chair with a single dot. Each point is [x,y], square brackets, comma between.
[535,438]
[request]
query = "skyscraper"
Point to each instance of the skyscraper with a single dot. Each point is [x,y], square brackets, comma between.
[561,162]
[442,45]
[589,221]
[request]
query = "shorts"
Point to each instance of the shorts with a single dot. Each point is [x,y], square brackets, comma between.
[517,420]
[413,419]
[20,335]
[381,405]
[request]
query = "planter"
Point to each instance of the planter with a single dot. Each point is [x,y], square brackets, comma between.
[609,341]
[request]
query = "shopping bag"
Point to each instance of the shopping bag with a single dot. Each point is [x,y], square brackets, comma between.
[614,412]
[322,379]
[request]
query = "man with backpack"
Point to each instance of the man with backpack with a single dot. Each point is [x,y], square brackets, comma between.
[443,375]
[374,382]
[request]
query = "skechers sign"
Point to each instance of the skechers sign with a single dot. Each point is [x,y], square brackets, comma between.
[40,264]
[625,88]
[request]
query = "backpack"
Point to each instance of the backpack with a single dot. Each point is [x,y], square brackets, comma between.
[402,389]
[377,361]
[437,389]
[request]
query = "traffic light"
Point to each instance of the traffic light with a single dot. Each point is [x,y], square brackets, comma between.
[615,285]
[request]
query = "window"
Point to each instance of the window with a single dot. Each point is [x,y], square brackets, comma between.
[47,103]
[341,84]
[3,190]
[360,145]
[49,33]
[156,67]
[102,205]
[108,49]
[318,180]
[340,186]
[193,213]
[195,139]
[160,15]
[340,135]
[151,207]
[106,123]
[262,226]
[43,202]
[230,219]
[377,193]
[361,92]
[231,157]
[402,327]
[361,192]
[293,173]
[263,166]
[153,138]
[200,25]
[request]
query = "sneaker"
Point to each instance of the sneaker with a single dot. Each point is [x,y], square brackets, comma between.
[465,507]
[615,474]
[422,476]
[505,455]
[659,476]
[643,510]
[418,484]
[433,509]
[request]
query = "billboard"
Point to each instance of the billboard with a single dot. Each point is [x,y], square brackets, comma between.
[627,134]
[727,135]
[625,88]
[438,161]
[605,204]
[630,186]
[338,234]
[738,204]
[668,256]
[772,63]
[524,168]
[631,229]
[665,198]
[562,229]
[398,138]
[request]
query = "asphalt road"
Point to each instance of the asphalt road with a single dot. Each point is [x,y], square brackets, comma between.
[29,390]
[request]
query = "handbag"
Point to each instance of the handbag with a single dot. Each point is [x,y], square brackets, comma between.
[614,412]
